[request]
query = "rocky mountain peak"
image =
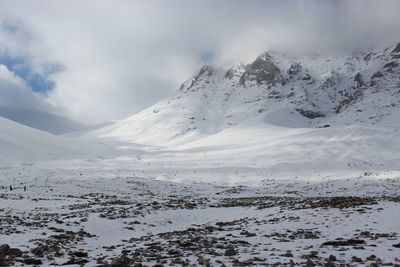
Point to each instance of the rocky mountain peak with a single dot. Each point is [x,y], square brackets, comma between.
[202,76]
[206,70]
[262,71]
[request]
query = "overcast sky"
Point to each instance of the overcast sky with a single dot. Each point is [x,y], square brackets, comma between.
[95,60]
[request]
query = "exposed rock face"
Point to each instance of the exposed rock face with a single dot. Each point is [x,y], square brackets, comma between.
[396,51]
[376,76]
[205,70]
[310,113]
[263,71]
[201,77]
[358,79]
[294,70]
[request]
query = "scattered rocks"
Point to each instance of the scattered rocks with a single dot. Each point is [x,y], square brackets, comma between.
[240,241]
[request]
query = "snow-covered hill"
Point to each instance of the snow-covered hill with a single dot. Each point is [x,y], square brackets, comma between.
[40,120]
[20,144]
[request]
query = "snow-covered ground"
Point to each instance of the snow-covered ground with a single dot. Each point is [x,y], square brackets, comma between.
[93,216]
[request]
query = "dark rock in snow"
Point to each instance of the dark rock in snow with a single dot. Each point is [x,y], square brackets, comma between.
[4,250]
[332,258]
[262,71]
[358,80]
[347,242]
[310,114]
[230,252]
[122,261]
[32,261]
[396,51]
[356,259]
[80,254]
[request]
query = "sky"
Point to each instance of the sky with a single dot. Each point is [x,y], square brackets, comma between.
[97,60]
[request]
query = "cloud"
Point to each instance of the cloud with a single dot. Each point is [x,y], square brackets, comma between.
[15,93]
[119,57]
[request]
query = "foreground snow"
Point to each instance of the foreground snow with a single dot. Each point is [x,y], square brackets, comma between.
[94,216]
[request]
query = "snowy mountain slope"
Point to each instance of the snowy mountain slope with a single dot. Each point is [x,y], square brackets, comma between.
[254,151]
[303,152]
[40,120]
[20,144]
[360,88]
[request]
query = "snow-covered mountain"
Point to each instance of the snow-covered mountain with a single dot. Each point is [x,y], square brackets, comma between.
[278,116]
[307,91]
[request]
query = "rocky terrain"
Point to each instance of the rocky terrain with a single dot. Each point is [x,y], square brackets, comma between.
[95,217]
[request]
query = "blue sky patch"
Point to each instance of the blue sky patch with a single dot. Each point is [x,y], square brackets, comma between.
[38,82]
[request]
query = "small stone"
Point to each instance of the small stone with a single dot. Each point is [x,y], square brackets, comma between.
[371,258]
[80,254]
[356,259]
[288,254]
[4,250]
[230,252]
[31,261]
[15,252]
[332,258]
